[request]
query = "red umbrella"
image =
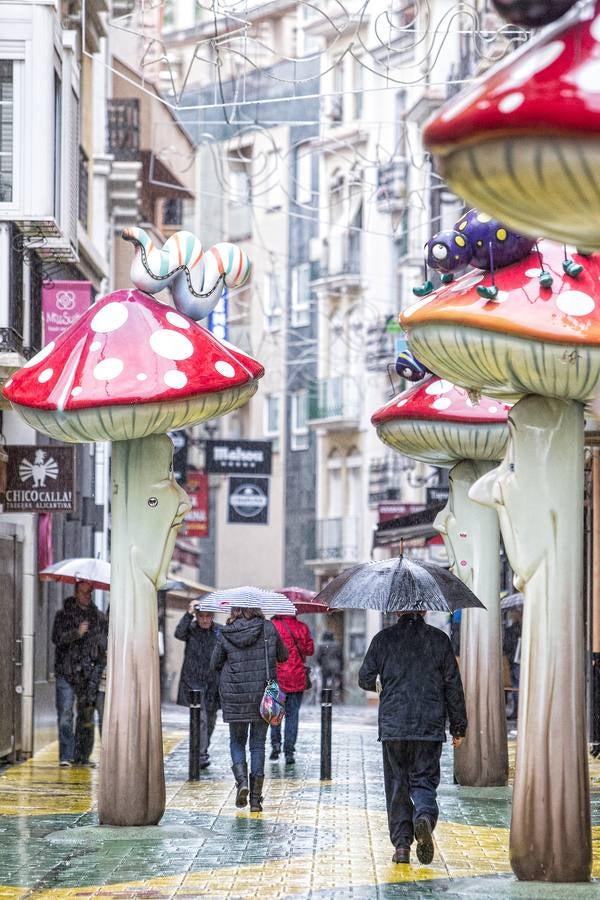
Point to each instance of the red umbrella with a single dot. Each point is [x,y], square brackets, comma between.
[303,599]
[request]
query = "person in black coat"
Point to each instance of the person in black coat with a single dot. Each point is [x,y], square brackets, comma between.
[420,688]
[199,632]
[247,652]
[80,636]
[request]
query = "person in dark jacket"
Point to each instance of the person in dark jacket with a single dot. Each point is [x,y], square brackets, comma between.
[330,658]
[420,688]
[247,652]
[291,677]
[80,635]
[199,632]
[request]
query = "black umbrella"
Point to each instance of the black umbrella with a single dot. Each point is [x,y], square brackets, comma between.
[398,585]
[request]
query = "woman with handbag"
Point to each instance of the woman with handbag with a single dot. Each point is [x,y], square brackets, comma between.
[293,677]
[247,652]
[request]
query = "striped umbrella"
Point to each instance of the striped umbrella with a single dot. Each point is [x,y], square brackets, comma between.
[270,602]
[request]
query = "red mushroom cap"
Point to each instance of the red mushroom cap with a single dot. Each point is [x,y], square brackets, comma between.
[530,340]
[437,423]
[127,352]
[522,143]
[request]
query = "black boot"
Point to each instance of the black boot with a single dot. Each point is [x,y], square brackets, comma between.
[256,784]
[275,751]
[240,773]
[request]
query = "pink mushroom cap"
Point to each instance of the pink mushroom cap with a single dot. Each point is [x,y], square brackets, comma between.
[129,367]
[436,422]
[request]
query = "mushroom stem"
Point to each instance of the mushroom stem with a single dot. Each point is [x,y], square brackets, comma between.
[538,491]
[147,509]
[472,537]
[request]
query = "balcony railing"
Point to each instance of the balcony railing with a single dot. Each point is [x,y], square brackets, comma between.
[336,540]
[334,400]
[340,258]
[391,186]
[124,128]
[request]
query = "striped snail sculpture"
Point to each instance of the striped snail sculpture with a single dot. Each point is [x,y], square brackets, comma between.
[196,278]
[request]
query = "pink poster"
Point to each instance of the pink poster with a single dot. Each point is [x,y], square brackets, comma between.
[63,303]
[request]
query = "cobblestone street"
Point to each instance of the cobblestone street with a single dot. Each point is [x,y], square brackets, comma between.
[313,840]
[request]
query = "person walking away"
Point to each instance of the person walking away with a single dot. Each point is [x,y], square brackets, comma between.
[79,633]
[291,677]
[420,688]
[247,652]
[199,632]
[330,659]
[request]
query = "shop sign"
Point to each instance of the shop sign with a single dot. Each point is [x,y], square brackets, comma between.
[392,509]
[437,495]
[40,479]
[63,303]
[217,319]
[248,501]
[238,457]
[195,523]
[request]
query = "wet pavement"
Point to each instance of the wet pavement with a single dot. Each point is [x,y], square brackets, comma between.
[313,840]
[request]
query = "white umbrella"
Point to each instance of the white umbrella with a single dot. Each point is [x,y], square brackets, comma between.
[247,597]
[82,569]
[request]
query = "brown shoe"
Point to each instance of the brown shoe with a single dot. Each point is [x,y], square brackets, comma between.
[401,855]
[424,841]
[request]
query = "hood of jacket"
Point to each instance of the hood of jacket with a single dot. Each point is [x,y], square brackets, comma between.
[244,632]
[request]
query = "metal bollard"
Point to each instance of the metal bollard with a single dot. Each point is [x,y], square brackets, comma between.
[195,708]
[326,710]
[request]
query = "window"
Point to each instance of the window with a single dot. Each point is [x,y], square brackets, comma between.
[300,301]
[299,427]
[272,420]
[239,202]
[304,192]
[274,187]
[358,89]
[57,144]
[271,302]
[6,130]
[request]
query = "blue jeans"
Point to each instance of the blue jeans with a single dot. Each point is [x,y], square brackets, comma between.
[73,747]
[293,702]
[238,735]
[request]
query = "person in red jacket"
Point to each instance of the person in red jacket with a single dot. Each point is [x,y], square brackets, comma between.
[291,676]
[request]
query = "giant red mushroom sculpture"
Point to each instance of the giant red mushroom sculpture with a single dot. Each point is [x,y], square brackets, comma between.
[542,345]
[437,423]
[130,370]
[523,142]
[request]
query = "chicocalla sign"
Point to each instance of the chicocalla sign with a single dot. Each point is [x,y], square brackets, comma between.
[238,457]
[40,479]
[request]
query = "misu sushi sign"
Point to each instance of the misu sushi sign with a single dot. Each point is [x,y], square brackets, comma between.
[63,303]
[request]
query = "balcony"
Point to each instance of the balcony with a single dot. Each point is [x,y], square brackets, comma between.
[123,123]
[340,262]
[334,403]
[335,543]
[392,186]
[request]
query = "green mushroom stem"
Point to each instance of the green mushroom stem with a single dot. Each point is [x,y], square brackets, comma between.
[472,537]
[147,508]
[538,493]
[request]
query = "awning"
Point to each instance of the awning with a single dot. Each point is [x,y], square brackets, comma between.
[411,525]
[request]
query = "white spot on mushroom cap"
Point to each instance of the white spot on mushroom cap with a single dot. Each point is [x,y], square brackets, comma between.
[468,281]
[402,402]
[76,391]
[46,375]
[492,409]
[441,403]
[95,345]
[531,63]
[224,368]
[107,369]
[8,383]
[511,102]
[502,297]
[175,379]
[439,387]
[109,318]
[595,29]
[586,77]
[177,320]
[533,273]
[171,344]
[44,352]
[141,376]
[575,303]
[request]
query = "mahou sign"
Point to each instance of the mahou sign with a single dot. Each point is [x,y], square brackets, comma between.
[40,479]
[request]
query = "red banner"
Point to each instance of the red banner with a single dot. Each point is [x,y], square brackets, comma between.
[196,521]
[63,303]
